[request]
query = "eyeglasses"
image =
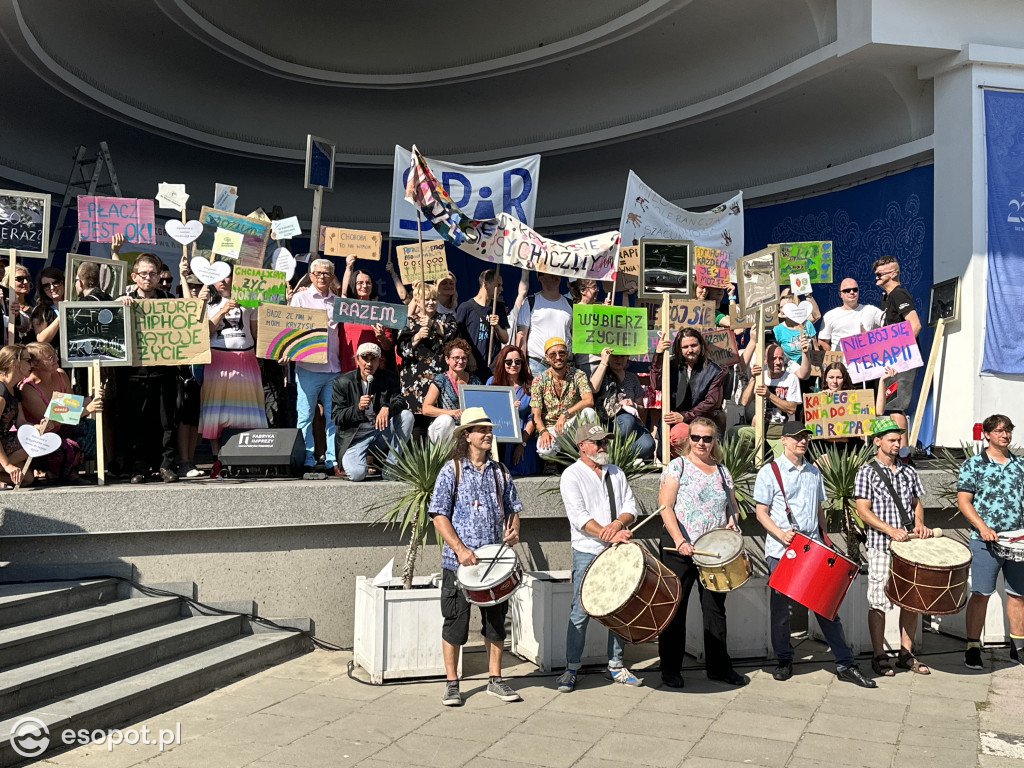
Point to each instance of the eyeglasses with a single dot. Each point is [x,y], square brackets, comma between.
[803,437]
[363,283]
[883,274]
[459,359]
[557,355]
[599,443]
[167,280]
[513,361]
[1004,430]
[146,275]
[322,274]
[850,290]
[706,439]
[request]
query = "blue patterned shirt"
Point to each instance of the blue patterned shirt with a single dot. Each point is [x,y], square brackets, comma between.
[476,514]
[998,490]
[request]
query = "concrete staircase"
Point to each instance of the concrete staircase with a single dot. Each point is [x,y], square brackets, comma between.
[90,653]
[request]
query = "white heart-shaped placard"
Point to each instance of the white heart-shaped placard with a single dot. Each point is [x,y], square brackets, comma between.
[798,313]
[183,233]
[208,273]
[36,444]
[284,262]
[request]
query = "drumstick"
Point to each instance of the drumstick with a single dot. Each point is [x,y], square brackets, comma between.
[501,551]
[646,520]
[936,533]
[703,552]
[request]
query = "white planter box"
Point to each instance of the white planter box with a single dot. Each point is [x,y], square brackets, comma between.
[540,617]
[398,631]
[854,615]
[747,619]
[997,627]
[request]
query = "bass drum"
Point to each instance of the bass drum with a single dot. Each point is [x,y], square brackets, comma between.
[814,575]
[929,575]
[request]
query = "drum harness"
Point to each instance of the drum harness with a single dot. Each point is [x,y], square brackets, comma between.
[904,517]
[498,491]
[789,512]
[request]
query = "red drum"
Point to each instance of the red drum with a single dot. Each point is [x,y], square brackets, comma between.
[814,575]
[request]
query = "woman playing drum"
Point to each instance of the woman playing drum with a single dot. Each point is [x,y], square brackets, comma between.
[696,496]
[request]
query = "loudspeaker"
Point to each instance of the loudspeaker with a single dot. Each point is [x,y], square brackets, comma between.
[263,453]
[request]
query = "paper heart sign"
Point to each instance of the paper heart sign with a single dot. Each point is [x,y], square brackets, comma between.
[36,444]
[284,262]
[798,313]
[800,283]
[208,273]
[183,233]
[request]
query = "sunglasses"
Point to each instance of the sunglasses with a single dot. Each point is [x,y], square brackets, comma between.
[51,286]
[514,361]
[599,443]
[706,439]
[21,279]
[557,355]
[883,274]
[850,290]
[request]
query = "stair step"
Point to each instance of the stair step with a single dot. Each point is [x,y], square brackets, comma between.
[50,679]
[27,602]
[156,689]
[58,634]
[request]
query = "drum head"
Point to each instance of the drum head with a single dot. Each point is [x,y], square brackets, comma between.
[472,576]
[612,579]
[938,551]
[724,542]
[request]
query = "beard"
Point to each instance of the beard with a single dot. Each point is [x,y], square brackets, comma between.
[600,458]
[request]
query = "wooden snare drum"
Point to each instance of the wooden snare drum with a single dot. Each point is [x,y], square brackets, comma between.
[929,575]
[493,579]
[728,568]
[630,592]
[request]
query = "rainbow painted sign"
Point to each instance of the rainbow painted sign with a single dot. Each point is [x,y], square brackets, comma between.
[291,333]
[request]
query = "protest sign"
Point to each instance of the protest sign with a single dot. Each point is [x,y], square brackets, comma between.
[596,326]
[224,197]
[800,283]
[100,218]
[25,222]
[36,444]
[499,406]
[683,313]
[628,269]
[255,234]
[109,274]
[227,244]
[711,267]
[738,320]
[319,173]
[370,313]
[283,261]
[434,260]
[868,354]
[839,414]
[284,229]
[820,360]
[815,258]
[666,266]
[95,330]
[183,232]
[335,241]
[757,279]
[251,287]
[652,346]
[65,408]
[291,333]
[172,196]
[721,346]
[170,332]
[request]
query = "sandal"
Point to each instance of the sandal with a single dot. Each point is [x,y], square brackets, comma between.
[881,666]
[906,660]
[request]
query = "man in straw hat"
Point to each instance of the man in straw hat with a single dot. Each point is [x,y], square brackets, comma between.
[474,503]
[888,494]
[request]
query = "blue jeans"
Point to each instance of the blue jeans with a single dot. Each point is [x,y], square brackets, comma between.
[832,630]
[311,386]
[537,367]
[391,438]
[576,637]
[629,424]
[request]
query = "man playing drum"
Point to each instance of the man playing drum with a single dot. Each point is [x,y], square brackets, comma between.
[474,503]
[600,507]
[789,502]
[888,492]
[989,493]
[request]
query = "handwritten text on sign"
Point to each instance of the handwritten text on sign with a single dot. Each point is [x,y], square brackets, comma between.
[711,267]
[100,218]
[370,313]
[291,333]
[722,346]
[839,414]
[251,287]
[685,313]
[170,332]
[434,262]
[868,354]
[335,241]
[596,326]
[628,268]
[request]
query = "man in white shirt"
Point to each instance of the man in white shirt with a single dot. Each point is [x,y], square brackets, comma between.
[600,507]
[848,319]
[780,386]
[543,316]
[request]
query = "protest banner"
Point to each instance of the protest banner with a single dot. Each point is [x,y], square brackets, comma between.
[596,326]
[335,241]
[100,218]
[370,313]
[757,279]
[839,414]
[711,267]
[65,408]
[170,332]
[95,330]
[683,313]
[111,275]
[815,258]
[251,287]
[291,333]
[628,269]
[721,346]
[255,233]
[25,222]
[434,261]
[738,320]
[868,354]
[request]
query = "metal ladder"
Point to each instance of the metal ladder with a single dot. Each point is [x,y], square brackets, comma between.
[81,179]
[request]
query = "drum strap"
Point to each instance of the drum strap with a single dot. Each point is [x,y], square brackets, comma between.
[611,493]
[728,498]
[884,477]
[789,512]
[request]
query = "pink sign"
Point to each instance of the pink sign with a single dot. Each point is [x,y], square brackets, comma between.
[100,218]
[869,354]
[711,267]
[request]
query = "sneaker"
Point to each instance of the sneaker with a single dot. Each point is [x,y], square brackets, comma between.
[452,697]
[500,689]
[972,658]
[566,682]
[784,670]
[623,676]
[189,470]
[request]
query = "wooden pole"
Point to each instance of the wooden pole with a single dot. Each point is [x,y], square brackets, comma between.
[314,232]
[494,311]
[11,295]
[41,428]
[666,382]
[929,372]
[423,260]
[759,401]
[97,391]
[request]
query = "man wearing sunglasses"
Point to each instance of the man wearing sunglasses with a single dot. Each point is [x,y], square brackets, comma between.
[560,395]
[897,306]
[849,318]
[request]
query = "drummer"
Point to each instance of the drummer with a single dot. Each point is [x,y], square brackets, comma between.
[696,496]
[888,494]
[600,507]
[474,503]
[989,492]
[799,486]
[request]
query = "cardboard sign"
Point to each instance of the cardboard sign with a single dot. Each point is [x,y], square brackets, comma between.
[291,333]
[224,197]
[685,313]
[209,272]
[800,284]
[748,320]
[721,346]
[183,232]
[628,274]
[757,279]
[227,244]
[36,445]
[434,260]
[370,313]
[335,241]
[867,354]
[815,258]
[251,287]
[652,346]
[25,222]
[170,332]
[711,267]
[285,229]
[839,414]
[283,261]
[596,326]
[95,330]
[100,218]
[65,408]
[172,196]
[820,360]
[255,234]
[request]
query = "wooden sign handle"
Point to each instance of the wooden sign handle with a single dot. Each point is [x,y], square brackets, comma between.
[922,400]
[666,382]
[494,311]
[41,429]
[98,417]
[759,401]
[13,258]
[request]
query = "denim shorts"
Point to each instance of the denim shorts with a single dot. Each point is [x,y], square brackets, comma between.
[985,568]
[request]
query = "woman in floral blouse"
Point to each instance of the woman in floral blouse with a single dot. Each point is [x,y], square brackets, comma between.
[421,346]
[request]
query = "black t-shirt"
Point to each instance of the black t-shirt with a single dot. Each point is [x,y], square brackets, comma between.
[896,305]
[473,327]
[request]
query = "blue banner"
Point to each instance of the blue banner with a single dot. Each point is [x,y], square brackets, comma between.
[1004,148]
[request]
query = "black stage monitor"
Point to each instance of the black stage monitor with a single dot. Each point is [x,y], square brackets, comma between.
[263,453]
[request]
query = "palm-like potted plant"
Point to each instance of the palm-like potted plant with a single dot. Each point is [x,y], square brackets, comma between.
[839,469]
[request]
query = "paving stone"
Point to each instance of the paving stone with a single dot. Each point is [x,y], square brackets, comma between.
[913,756]
[467,724]
[567,725]
[326,708]
[268,690]
[710,762]
[859,710]
[764,726]
[667,724]
[611,707]
[375,728]
[725,746]
[947,707]
[838,725]
[420,749]
[345,688]
[209,751]
[266,729]
[537,750]
[936,737]
[315,751]
[640,749]
[855,752]
[942,722]
[97,756]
